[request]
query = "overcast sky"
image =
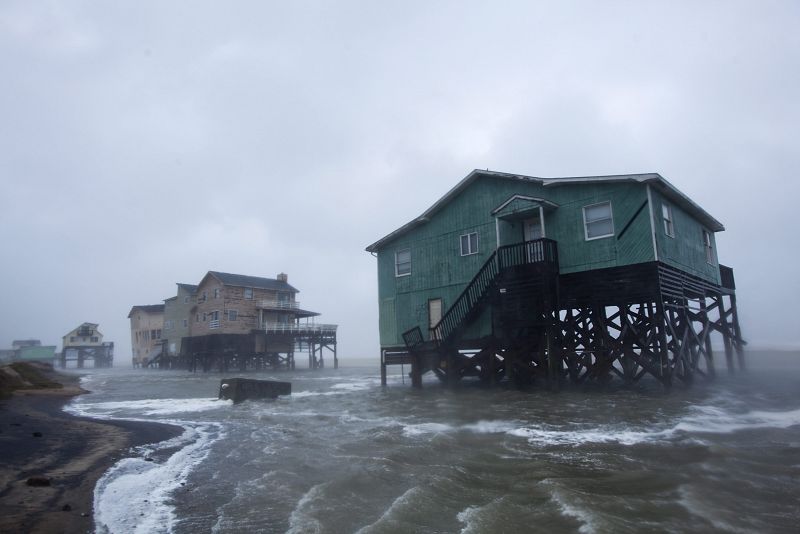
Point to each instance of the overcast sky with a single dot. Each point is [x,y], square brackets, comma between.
[146,143]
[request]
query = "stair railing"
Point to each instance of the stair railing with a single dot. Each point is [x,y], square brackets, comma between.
[530,252]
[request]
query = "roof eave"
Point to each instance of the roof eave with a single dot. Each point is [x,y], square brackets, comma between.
[455,190]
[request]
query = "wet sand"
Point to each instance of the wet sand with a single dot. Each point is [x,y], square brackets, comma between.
[38,439]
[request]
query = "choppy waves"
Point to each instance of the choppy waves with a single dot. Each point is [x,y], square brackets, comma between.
[704,419]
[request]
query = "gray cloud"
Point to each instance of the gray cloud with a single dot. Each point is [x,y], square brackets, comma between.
[143,144]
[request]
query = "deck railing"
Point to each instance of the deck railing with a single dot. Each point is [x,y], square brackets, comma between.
[290,328]
[540,251]
[278,304]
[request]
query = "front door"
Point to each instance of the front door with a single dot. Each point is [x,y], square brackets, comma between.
[533,229]
[434,314]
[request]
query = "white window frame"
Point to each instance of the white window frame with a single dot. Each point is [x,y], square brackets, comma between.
[397,264]
[245,294]
[216,292]
[708,246]
[469,251]
[669,220]
[233,315]
[586,224]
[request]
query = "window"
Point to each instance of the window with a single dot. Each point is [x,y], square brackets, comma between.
[203,297]
[214,315]
[94,339]
[469,244]
[248,293]
[402,262]
[186,299]
[597,221]
[72,339]
[232,315]
[205,315]
[669,227]
[216,292]
[186,323]
[708,245]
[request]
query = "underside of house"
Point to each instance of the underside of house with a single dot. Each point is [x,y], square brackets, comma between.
[271,348]
[548,328]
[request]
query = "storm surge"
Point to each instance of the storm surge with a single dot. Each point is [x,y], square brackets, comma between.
[344,455]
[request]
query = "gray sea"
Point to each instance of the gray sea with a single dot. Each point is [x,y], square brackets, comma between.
[342,454]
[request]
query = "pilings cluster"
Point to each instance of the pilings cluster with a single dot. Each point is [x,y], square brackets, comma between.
[623,322]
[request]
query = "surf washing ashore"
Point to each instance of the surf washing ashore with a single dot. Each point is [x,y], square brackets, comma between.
[50,461]
[343,454]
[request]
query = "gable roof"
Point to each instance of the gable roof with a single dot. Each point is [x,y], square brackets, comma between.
[87,325]
[189,288]
[654,179]
[147,308]
[256,282]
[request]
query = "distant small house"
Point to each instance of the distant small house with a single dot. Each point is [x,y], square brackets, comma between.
[21,343]
[86,334]
[85,342]
[177,310]
[28,350]
[147,325]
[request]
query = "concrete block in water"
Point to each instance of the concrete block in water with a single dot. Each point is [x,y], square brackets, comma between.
[239,389]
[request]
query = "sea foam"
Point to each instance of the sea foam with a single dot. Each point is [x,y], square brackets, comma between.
[133,495]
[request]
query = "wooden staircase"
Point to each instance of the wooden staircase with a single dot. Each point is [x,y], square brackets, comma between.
[520,265]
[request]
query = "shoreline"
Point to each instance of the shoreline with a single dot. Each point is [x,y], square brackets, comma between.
[39,439]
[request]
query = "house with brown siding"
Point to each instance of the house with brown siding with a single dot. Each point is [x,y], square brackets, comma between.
[238,304]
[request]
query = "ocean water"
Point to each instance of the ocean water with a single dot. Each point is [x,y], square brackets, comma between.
[343,454]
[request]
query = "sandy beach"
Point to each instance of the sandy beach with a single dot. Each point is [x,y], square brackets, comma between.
[50,461]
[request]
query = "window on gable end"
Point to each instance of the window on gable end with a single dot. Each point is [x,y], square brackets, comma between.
[708,244]
[669,225]
[402,262]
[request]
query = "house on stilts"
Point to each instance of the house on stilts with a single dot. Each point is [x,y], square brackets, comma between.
[232,321]
[524,279]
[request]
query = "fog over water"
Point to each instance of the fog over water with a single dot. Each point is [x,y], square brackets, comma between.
[146,143]
[343,454]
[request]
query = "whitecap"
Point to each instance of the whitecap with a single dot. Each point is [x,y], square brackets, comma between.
[711,419]
[491,427]
[117,409]
[572,508]
[403,501]
[425,428]
[302,518]
[133,496]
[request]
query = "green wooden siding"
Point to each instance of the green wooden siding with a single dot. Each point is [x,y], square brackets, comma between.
[439,271]
[685,251]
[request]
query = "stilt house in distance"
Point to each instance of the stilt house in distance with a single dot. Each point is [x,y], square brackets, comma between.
[517,277]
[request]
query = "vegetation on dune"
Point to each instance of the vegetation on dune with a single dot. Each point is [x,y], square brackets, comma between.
[24,375]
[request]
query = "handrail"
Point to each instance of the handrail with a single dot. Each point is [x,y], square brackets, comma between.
[288,328]
[278,304]
[526,253]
